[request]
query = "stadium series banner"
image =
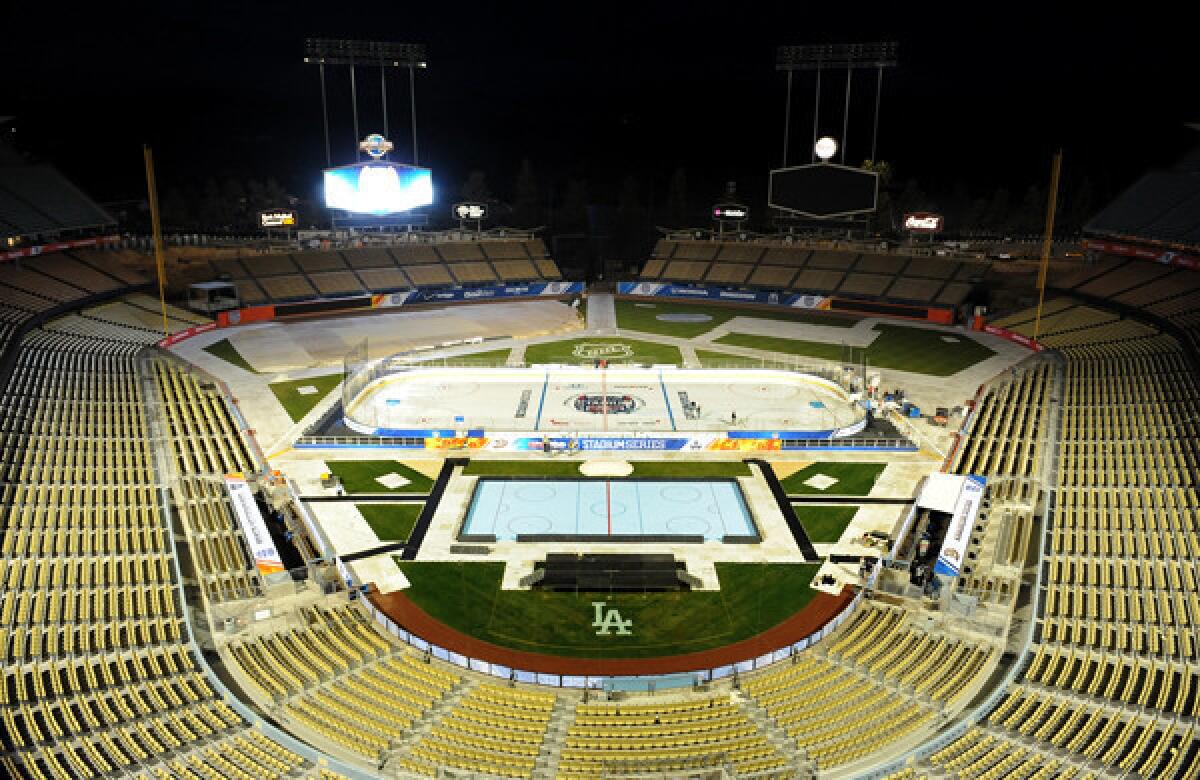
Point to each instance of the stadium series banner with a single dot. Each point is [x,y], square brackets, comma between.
[958,535]
[266,558]
[661,290]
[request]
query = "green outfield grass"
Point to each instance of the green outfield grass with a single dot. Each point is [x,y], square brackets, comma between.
[710,359]
[633,351]
[358,476]
[467,597]
[853,479]
[570,468]
[522,468]
[296,404]
[715,469]
[643,316]
[900,347]
[824,523]
[227,352]
[390,522]
[493,357]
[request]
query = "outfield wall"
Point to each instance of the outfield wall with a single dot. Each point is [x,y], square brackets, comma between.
[773,298]
[403,298]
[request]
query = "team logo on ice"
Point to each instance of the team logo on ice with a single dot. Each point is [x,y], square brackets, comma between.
[596,351]
[606,621]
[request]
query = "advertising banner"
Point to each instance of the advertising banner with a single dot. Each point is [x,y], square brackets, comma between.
[1154,255]
[184,335]
[958,535]
[58,246]
[1014,337]
[533,290]
[663,290]
[923,222]
[266,558]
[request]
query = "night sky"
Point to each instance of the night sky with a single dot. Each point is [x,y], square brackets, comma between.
[983,94]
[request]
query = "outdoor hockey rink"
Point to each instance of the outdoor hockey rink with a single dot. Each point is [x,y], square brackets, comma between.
[571,399]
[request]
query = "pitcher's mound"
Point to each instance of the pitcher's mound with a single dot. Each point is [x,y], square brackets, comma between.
[606,468]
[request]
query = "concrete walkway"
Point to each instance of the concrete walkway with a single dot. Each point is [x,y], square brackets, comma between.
[601,313]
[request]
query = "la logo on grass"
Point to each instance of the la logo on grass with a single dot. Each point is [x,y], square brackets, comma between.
[606,621]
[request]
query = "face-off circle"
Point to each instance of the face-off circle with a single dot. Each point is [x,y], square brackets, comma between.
[595,403]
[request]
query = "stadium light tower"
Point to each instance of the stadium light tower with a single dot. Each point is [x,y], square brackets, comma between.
[852,57]
[381,54]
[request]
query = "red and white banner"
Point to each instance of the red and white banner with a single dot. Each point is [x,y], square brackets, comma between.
[184,335]
[1015,338]
[924,222]
[58,246]
[1153,254]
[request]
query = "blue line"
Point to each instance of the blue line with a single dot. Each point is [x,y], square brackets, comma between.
[667,399]
[537,424]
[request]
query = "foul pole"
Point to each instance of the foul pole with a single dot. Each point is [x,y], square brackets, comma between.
[156,222]
[1047,241]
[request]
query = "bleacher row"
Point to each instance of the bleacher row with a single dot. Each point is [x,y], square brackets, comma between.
[99,675]
[900,278]
[39,284]
[871,686]
[1005,438]
[1112,686]
[335,664]
[1166,291]
[281,277]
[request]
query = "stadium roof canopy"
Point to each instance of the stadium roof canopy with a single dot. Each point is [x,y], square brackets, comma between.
[37,200]
[1161,207]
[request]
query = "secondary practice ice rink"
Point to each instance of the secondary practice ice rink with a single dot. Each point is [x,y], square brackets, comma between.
[507,509]
[571,399]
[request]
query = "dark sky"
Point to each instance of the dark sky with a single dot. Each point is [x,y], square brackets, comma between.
[984,92]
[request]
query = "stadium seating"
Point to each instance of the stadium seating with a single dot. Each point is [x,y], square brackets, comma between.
[1111,687]
[843,273]
[37,200]
[282,278]
[877,681]
[691,732]
[491,730]
[99,675]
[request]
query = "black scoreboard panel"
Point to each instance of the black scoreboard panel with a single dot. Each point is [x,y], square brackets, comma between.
[823,190]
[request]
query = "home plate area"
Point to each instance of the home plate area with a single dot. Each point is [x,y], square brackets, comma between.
[392,481]
[821,481]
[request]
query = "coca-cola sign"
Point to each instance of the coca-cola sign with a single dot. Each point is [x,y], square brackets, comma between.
[923,222]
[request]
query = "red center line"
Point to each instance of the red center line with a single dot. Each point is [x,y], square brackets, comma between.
[608,503]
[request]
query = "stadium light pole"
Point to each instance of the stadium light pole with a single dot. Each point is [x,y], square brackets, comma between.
[325,116]
[851,56]
[846,117]
[412,104]
[352,53]
[875,128]
[787,119]
[383,97]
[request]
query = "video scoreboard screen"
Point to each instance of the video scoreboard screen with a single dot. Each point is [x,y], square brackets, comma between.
[823,190]
[378,188]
